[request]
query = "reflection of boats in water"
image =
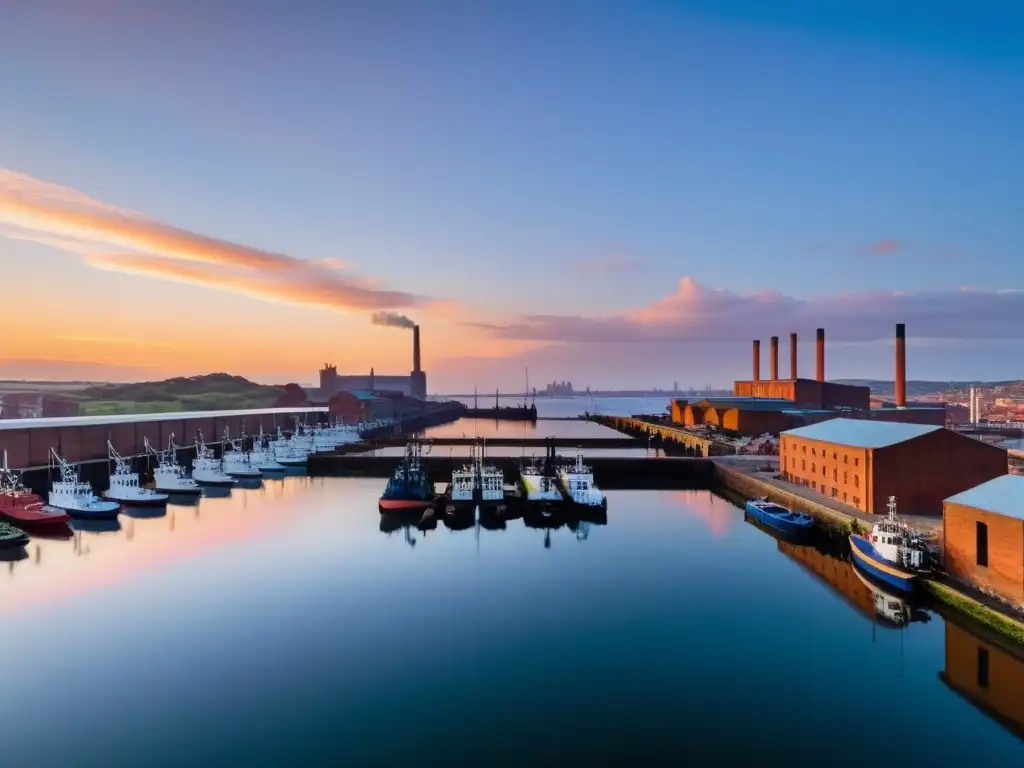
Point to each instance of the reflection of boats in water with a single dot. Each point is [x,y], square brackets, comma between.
[96,525]
[892,608]
[844,579]
[987,672]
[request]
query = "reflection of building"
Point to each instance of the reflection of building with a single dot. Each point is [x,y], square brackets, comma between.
[989,677]
[983,536]
[863,463]
[838,574]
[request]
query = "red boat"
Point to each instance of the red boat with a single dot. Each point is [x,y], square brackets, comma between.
[406,505]
[21,505]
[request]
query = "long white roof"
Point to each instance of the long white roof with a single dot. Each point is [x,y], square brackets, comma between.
[862,433]
[1003,495]
[137,418]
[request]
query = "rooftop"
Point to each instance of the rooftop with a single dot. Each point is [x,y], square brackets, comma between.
[862,433]
[1003,495]
[138,418]
[749,403]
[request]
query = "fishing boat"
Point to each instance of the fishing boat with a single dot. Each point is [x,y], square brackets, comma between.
[540,488]
[477,482]
[11,536]
[75,496]
[236,462]
[779,517]
[207,469]
[20,505]
[578,480]
[289,453]
[169,476]
[125,486]
[893,555]
[409,489]
[263,459]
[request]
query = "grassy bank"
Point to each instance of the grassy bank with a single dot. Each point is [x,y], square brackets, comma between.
[979,612]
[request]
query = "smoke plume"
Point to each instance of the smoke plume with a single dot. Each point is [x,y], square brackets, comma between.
[392,320]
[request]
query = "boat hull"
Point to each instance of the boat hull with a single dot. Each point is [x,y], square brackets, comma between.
[220,482]
[35,517]
[93,514]
[187,490]
[154,500]
[405,505]
[871,563]
[783,524]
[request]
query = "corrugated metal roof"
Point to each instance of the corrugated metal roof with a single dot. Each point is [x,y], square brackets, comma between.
[1003,495]
[135,418]
[862,433]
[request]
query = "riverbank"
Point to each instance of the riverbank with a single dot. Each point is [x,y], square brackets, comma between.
[992,616]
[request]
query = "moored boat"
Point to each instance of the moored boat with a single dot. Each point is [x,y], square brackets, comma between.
[207,469]
[236,462]
[409,489]
[125,486]
[540,488]
[263,458]
[25,508]
[779,517]
[578,481]
[11,536]
[75,496]
[169,476]
[893,554]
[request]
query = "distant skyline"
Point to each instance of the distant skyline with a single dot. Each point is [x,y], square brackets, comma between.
[621,194]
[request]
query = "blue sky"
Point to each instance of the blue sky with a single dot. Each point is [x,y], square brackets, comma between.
[476,151]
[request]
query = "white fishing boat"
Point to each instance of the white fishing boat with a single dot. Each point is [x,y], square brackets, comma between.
[125,486]
[262,458]
[75,496]
[236,462]
[540,487]
[207,469]
[578,480]
[169,476]
[289,453]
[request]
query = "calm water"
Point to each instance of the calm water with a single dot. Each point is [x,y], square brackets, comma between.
[561,407]
[281,626]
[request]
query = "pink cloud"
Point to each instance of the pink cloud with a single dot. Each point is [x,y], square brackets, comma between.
[888,245]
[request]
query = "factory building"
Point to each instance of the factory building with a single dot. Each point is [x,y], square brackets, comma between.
[357,407]
[412,385]
[745,415]
[983,536]
[862,462]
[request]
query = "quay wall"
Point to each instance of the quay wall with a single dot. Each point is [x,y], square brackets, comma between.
[666,436]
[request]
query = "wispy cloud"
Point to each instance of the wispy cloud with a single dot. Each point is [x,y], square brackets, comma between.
[886,246]
[65,218]
[697,313]
[615,260]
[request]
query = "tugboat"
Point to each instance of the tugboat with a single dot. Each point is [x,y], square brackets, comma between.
[207,469]
[578,480]
[76,497]
[779,517]
[169,476]
[409,489]
[540,488]
[893,554]
[20,505]
[125,486]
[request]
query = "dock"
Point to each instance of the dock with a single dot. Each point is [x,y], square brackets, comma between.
[666,436]
[630,443]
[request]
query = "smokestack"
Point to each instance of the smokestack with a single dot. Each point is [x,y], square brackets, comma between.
[773,360]
[820,353]
[757,360]
[900,382]
[792,356]
[416,348]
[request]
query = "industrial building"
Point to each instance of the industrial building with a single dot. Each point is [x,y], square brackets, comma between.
[983,536]
[356,407]
[862,462]
[774,405]
[412,385]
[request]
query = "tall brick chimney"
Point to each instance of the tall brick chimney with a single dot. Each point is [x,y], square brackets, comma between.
[416,348]
[757,360]
[773,360]
[820,354]
[900,381]
[792,356]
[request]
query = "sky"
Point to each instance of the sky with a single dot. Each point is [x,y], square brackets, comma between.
[621,194]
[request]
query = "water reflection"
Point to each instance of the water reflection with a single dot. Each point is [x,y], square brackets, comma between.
[988,673]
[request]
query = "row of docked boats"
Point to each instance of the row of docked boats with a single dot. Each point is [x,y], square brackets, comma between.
[480,482]
[893,554]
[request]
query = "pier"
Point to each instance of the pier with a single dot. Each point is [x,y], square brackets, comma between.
[509,442]
[666,436]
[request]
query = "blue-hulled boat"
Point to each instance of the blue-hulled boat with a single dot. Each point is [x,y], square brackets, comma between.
[869,560]
[893,554]
[778,517]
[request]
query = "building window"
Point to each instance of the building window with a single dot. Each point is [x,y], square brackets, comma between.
[834,493]
[823,470]
[845,480]
[803,464]
[793,462]
[814,451]
[856,501]
[844,497]
[856,481]
[982,544]
[814,485]
[835,474]
[982,667]
[814,468]
[835,457]
[856,461]
[846,459]
[804,448]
